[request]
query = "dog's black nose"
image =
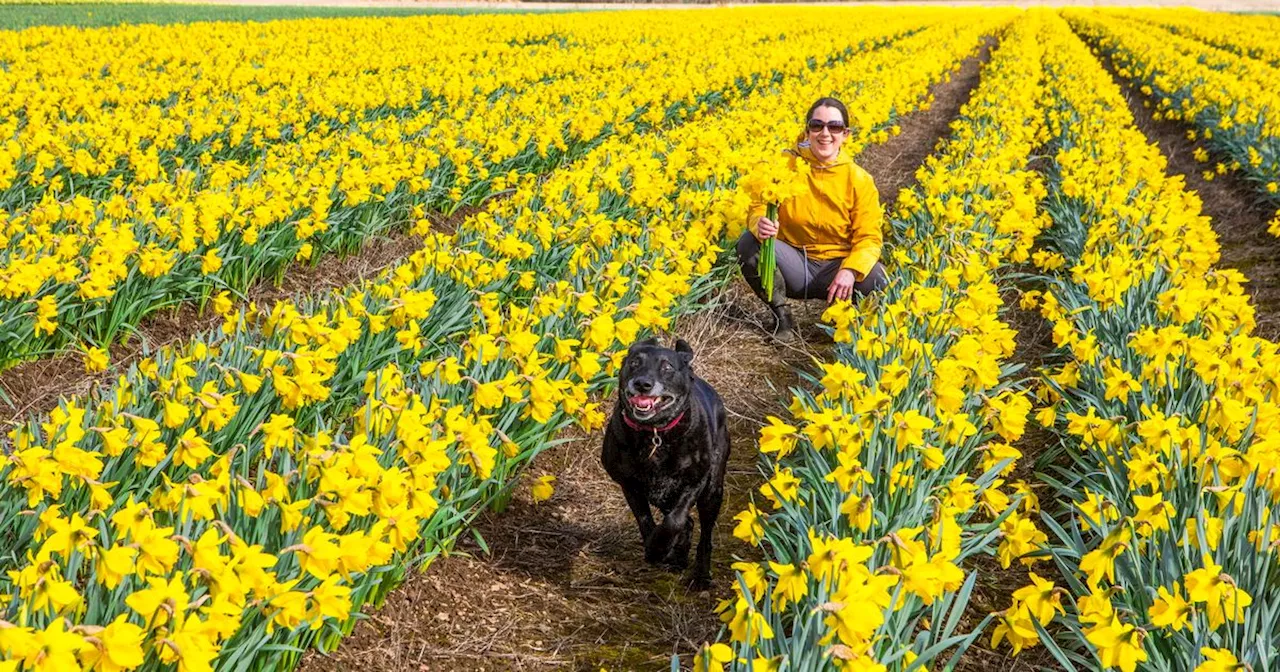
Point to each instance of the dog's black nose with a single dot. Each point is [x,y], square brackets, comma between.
[641,385]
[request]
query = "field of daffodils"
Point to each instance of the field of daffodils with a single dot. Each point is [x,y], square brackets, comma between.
[241,499]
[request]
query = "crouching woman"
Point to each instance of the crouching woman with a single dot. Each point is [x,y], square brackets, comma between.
[828,238]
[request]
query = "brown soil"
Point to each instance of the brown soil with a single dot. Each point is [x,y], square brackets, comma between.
[894,163]
[995,584]
[1239,214]
[564,585]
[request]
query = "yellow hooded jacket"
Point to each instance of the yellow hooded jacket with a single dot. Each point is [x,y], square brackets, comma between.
[840,216]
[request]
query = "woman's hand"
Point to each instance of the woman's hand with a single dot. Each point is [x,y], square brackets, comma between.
[766,228]
[842,286]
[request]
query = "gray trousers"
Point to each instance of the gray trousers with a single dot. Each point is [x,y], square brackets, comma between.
[797,276]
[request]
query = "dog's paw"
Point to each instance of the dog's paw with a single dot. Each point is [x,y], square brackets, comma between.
[665,547]
[700,583]
[657,548]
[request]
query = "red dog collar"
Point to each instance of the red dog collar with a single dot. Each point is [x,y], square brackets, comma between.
[641,428]
[656,440]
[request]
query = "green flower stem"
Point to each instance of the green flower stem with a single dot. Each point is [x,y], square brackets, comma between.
[768,262]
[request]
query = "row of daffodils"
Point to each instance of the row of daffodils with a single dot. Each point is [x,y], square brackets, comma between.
[237,501]
[1214,72]
[892,470]
[1245,34]
[1159,546]
[1165,406]
[145,166]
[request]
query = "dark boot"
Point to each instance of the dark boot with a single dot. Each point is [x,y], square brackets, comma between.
[784,326]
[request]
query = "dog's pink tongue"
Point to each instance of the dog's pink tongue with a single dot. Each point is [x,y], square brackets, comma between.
[643,403]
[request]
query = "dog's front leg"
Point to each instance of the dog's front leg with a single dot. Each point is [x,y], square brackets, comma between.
[638,500]
[661,546]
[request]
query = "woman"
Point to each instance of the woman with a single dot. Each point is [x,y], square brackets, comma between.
[828,239]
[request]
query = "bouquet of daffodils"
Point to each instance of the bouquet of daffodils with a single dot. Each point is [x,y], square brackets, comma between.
[772,182]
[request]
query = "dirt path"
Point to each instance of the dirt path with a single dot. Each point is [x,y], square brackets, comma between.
[1034,348]
[1239,218]
[565,585]
[894,163]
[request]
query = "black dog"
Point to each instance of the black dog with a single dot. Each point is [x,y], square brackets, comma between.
[667,445]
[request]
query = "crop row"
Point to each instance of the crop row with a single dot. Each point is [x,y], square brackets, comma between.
[1165,407]
[1249,35]
[892,472]
[1228,97]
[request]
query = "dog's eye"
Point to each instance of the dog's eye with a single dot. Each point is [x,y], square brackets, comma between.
[666,366]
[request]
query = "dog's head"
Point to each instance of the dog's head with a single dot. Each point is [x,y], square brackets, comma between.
[654,382]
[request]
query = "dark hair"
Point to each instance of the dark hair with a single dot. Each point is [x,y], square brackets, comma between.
[828,102]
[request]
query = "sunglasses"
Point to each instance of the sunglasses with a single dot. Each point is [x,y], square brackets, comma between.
[816,126]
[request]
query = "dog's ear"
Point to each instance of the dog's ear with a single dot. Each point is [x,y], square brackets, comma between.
[684,351]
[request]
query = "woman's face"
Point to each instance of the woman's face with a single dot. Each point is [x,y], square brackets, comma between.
[824,141]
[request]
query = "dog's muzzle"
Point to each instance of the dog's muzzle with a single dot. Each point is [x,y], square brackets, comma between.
[649,404]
